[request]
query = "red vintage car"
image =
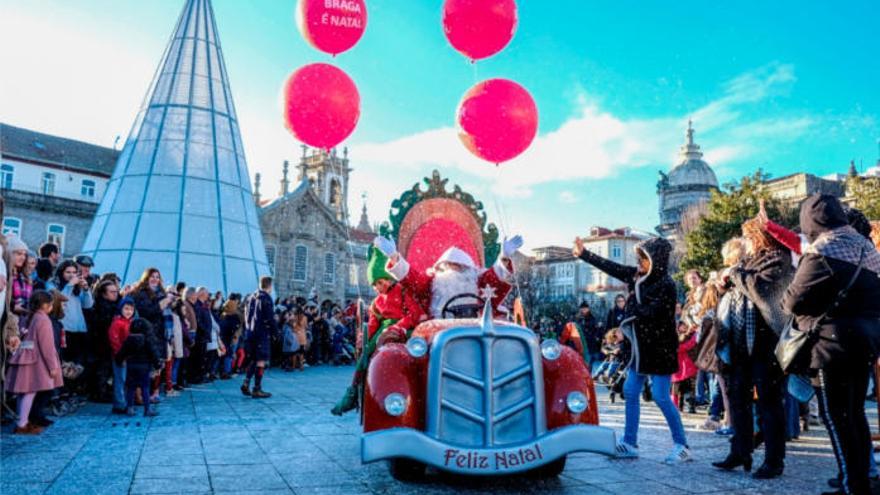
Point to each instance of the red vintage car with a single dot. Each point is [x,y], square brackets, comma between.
[478,396]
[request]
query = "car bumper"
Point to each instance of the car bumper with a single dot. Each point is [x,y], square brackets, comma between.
[413,444]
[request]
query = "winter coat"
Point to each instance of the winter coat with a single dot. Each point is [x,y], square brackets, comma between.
[230,324]
[139,356]
[100,318]
[615,317]
[117,333]
[650,308]
[707,359]
[146,302]
[189,316]
[686,367]
[763,278]
[592,333]
[74,320]
[32,374]
[291,344]
[176,345]
[851,330]
[260,318]
[299,328]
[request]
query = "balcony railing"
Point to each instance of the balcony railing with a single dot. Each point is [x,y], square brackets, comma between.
[27,188]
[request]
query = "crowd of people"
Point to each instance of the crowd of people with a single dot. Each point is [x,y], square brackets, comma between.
[71,335]
[807,299]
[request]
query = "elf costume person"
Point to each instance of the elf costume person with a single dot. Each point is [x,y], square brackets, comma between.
[393,315]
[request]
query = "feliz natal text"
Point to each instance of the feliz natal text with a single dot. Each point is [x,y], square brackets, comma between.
[498,461]
[347,6]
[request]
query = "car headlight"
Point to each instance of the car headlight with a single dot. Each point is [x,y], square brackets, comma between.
[551,349]
[395,404]
[576,402]
[417,347]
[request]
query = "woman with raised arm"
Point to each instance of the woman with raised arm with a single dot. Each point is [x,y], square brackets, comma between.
[649,327]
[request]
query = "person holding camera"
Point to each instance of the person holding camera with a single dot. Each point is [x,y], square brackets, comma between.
[68,282]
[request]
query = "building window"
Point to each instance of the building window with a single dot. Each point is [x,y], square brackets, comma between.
[615,251]
[8,173]
[329,268]
[300,260]
[55,235]
[12,226]
[48,183]
[270,258]
[88,188]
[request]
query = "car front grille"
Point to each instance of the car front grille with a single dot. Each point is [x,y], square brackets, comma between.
[485,388]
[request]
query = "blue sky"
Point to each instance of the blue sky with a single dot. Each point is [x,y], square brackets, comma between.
[786,86]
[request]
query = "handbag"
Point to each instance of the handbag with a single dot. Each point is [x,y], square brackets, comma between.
[792,346]
[24,355]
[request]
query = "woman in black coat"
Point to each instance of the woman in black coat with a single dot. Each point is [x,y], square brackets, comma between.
[848,333]
[651,338]
[150,302]
[757,284]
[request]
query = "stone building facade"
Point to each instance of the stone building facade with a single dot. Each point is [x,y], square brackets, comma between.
[310,246]
[51,186]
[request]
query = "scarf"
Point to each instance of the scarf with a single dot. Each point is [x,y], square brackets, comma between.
[845,244]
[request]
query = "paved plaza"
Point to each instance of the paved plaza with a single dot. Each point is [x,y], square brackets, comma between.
[211,439]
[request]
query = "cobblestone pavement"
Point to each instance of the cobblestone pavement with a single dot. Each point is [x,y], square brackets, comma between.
[211,439]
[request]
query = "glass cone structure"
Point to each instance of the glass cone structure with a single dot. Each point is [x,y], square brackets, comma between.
[180,197]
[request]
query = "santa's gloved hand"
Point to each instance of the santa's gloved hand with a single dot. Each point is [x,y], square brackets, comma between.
[385,245]
[392,335]
[511,245]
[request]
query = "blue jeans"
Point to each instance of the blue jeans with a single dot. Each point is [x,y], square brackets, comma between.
[703,384]
[660,387]
[174,367]
[716,400]
[118,386]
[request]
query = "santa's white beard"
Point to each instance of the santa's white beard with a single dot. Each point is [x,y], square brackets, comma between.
[450,283]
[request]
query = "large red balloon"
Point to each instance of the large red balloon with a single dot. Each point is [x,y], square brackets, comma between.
[332,26]
[497,120]
[479,28]
[321,105]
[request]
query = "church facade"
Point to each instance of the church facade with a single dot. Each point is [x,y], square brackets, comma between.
[311,249]
[688,184]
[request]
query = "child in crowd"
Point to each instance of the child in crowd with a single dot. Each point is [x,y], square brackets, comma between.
[290,344]
[611,350]
[682,380]
[140,359]
[116,335]
[34,367]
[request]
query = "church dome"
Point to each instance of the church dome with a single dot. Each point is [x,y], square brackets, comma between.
[692,170]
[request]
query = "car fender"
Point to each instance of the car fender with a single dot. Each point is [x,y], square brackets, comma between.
[392,370]
[566,374]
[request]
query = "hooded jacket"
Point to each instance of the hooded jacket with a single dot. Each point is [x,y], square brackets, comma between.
[650,308]
[852,329]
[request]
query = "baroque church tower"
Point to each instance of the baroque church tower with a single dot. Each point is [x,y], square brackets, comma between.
[328,174]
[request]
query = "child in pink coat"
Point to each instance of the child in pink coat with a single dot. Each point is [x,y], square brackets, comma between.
[35,366]
[682,380]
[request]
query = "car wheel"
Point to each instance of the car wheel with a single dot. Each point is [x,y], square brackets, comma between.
[406,469]
[550,470]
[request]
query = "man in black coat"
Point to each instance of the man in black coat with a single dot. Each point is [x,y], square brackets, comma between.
[849,331]
[651,338]
[592,333]
[260,325]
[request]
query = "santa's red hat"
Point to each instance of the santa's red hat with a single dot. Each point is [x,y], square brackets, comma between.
[457,256]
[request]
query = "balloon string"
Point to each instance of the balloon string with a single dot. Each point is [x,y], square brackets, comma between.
[503,219]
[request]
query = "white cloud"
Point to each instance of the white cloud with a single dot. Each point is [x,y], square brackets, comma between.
[567,197]
[594,143]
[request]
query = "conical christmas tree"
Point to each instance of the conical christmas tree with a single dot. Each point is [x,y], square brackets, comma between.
[180,197]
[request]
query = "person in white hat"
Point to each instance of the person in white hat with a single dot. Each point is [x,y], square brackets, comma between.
[454,273]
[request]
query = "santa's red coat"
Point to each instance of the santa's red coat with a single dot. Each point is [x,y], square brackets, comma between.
[420,283]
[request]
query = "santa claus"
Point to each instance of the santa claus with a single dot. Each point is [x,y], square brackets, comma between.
[454,274]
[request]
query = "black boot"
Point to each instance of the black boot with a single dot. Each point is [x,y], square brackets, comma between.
[733,461]
[767,471]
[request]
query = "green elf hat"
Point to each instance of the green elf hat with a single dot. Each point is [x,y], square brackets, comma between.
[376,265]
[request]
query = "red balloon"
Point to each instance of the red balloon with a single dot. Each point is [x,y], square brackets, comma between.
[321,105]
[497,120]
[332,26]
[479,28]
